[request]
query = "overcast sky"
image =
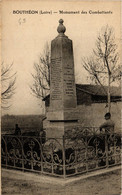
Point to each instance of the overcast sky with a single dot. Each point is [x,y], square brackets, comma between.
[25,35]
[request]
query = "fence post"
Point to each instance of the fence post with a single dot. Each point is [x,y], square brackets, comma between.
[86,153]
[22,142]
[6,152]
[64,168]
[41,154]
[115,141]
[106,149]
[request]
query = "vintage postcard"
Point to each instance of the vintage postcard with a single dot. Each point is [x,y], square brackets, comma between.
[61,97]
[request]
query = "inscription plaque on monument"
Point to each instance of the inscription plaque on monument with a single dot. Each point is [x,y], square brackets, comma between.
[56,71]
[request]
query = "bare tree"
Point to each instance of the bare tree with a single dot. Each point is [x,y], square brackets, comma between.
[103,65]
[41,77]
[8,80]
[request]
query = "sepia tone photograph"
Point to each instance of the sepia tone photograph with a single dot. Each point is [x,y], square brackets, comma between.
[61,97]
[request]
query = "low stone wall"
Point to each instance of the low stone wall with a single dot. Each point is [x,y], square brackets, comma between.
[93,115]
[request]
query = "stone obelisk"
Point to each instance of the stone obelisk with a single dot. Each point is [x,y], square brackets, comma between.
[62,113]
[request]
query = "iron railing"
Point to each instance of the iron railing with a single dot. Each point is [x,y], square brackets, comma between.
[66,156]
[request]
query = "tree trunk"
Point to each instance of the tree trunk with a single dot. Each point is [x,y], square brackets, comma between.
[109,95]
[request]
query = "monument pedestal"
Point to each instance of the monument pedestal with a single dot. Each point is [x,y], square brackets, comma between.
[58,122]
[57,129]
[62,115]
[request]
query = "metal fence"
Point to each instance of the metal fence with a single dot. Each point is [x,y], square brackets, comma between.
[63,157]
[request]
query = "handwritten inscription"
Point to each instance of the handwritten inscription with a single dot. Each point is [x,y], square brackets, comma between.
[21,21]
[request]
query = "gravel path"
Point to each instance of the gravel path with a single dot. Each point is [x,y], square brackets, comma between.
[107,184]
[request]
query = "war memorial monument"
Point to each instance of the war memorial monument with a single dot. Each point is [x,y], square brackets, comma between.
[62,112]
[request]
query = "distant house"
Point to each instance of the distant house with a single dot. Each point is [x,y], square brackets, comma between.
[88,94]
[92,104]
